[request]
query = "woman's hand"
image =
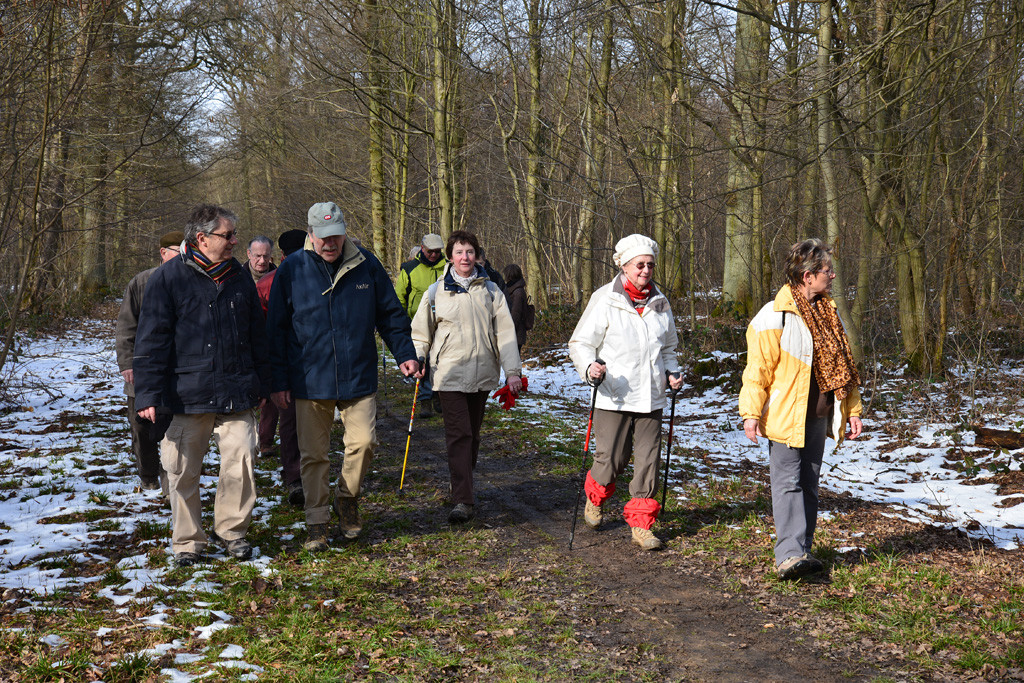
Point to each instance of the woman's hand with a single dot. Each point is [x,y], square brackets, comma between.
[856,427]
[675,380]
[596,370]
[752,428]
[515,384]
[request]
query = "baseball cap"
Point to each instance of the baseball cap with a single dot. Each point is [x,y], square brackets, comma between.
[325,220]
[432,241]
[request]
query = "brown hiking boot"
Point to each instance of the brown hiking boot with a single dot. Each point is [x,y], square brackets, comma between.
[317,541]
[646,539]
[592,515]
[348,517]
[794,568]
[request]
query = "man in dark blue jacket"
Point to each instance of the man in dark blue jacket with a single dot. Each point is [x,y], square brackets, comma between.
[201,356]
[325,303]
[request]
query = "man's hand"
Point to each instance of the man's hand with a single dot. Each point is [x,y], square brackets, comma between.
[515,384]
[752,428]
[411,368]
[129,376]
[281,399]
[856,427]
[148,414]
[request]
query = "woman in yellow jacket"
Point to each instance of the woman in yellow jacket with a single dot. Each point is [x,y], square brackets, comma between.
[800,384]
[464,327]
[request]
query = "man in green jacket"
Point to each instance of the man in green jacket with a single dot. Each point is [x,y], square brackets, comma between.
[413,280]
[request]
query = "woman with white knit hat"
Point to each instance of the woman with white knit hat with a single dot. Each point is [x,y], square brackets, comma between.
[629,326]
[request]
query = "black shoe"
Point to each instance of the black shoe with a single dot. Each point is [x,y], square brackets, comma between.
[460,514]
[296,496]
[187,559]
[150,483]
[436,401]
[424,408]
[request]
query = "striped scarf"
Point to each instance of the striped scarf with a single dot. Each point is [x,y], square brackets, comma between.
[218,272]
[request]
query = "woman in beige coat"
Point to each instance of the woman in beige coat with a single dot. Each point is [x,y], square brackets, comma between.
[464,328]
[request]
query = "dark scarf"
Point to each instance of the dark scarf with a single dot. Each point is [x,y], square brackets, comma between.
[639,297]
[218,272]
[833,362]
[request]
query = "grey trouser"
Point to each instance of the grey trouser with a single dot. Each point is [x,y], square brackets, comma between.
[620,435]
[794,475]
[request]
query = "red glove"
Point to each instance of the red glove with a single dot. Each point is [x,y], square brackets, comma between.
[505,397]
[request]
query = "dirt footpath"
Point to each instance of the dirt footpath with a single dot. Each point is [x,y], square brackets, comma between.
[668,605]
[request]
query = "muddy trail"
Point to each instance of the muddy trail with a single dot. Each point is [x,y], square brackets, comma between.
[673,606]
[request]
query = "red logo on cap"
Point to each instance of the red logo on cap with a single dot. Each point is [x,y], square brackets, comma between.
[327,217]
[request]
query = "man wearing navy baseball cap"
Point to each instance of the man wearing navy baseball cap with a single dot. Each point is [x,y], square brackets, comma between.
[325,303]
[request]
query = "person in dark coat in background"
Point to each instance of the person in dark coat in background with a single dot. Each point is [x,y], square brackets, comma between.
[290,242]
[145,447]
[492,274]
[518,305]
[201,355]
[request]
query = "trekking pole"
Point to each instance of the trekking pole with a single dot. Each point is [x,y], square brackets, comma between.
[586,448]
[668,448]
[408,438]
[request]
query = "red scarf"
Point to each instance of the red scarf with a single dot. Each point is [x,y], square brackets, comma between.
[637,296]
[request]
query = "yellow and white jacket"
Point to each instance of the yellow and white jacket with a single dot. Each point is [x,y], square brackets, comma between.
[638,349]
[777,379]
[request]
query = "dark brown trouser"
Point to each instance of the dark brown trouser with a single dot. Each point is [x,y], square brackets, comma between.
[269,415]
[147,451]
[463,416]
[620,435]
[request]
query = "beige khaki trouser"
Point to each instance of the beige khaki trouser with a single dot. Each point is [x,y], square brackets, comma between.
[182,451]
[313,420]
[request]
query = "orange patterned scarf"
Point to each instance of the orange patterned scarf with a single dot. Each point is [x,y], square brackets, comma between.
[833,362]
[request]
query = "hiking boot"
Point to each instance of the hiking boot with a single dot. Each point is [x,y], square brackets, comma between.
[646,539]
[296,496]
[239,549]
[592,515]
[317,541]
[187,559]
[424,408]
[814,565]
[436,402]
[348,517]
[150,483]
[794,567]
[460,514]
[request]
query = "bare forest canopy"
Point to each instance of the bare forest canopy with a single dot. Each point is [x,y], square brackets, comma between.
[551,128]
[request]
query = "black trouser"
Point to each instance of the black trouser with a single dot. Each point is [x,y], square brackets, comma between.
[147,451]
[463,416]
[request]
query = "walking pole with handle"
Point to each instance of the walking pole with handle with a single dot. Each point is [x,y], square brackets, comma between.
[586,449]
[668,448]
[408,438]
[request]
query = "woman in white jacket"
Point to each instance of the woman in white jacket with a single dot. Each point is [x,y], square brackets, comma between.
[629,325]
[464,327]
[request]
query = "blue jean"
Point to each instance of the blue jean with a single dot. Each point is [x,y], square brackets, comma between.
[794,476]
